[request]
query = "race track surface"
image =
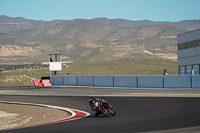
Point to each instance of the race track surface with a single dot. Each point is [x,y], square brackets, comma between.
[134,114]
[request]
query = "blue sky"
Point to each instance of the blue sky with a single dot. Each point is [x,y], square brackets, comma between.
[155,10]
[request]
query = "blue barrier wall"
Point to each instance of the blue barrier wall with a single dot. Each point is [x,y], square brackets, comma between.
[106,81]
[150,81]
[58,80]
[86,80]
[70,80]
[195,81]
[183,81]
[169,81]
[52,80]
[125,81]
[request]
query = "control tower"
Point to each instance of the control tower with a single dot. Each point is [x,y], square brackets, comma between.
[55,63]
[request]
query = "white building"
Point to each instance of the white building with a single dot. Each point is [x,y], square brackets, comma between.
[189,53]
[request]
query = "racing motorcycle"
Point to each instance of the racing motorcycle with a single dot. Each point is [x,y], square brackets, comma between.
[106,109]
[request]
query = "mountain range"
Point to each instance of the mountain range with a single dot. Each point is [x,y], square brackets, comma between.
[28,41]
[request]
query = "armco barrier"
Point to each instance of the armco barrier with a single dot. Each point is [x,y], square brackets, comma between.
[70,80]
[85,80]
[106,81]
[195,81]
[150,81]
[159,81]
[177,81]
[125,81]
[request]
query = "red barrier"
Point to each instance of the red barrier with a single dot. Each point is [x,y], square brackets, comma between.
[46,82]
[37,82]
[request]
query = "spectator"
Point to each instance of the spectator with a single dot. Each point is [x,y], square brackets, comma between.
[55,73]
[192,72]
[165,72]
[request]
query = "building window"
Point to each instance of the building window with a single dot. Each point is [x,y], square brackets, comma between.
[189,70]
[182,46]
[196,69]
[191,44]
[182,70]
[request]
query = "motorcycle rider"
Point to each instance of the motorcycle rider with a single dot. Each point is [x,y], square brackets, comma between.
[95,105]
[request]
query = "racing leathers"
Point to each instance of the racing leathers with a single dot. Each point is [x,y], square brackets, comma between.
[95,105]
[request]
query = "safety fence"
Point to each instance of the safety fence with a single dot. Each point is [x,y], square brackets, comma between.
[157,81]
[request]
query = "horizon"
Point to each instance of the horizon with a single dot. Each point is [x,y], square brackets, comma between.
[95,18]
[152,10]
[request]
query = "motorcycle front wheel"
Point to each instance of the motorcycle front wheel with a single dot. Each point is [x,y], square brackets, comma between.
[112,112]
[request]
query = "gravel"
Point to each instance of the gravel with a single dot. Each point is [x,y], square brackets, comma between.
[15,115]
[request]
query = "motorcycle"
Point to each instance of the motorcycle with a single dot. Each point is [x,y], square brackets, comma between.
[106,109]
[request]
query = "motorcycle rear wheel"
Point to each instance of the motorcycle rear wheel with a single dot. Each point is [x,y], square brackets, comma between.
[105,112]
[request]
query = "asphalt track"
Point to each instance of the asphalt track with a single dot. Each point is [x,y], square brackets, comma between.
[134,114]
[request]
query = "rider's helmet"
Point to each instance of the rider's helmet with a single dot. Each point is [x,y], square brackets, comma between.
[91,99]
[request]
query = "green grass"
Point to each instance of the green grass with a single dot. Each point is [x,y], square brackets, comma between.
[117,67]
[123,67]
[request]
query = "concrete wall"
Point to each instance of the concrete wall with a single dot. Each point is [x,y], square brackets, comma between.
[86,80]
[150,81]
[195,81]
[70,80]
[107,81]
[125,81]
[169,81]
[57,80]
[177,81]
[52,80]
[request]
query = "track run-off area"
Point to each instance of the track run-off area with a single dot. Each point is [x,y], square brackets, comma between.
[138,109]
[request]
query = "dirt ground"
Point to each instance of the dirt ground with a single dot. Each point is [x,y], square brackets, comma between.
[15,115]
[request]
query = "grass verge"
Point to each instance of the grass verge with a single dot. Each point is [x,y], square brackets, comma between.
[24,77]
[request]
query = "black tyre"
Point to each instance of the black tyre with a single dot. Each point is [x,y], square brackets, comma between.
[112,112]
[105,112]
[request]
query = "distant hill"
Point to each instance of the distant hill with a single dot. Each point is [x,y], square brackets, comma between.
[89,30]
[185,24]
[10,25]
[27,41]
